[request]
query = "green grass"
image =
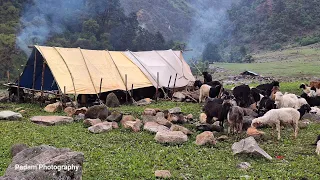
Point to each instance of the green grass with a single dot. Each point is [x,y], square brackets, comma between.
[122,154]
[297,62]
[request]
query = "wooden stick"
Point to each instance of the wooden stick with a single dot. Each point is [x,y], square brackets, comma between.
[42,78]
[174,85]
[132,91]
[34,73]
[157,89]
[169,85]
[100,86]
[126,84]
[64,95]
[8,76]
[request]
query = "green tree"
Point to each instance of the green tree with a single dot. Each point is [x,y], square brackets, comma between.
[211,53]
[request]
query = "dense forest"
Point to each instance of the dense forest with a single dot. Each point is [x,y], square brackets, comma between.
[239,28]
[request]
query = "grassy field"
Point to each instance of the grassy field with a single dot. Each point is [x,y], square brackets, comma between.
[296,62]
[122,154]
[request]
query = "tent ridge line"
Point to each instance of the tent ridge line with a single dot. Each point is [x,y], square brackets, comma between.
[72,79]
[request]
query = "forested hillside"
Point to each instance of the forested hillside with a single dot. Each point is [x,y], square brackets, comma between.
[216,30]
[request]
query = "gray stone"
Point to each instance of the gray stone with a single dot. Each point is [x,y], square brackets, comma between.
[175,110]
[304,124]
[112,100]
[149,111]
[162,174]
[101,127]
[115,116]
[133,125]
[178,96]
[244,165]
[312,117]
[15,149]
[205,138]
[9,115]
[249,145]
[148,118]
[45,156]
[180,128]
[51,108]
[171,137]
[97,112]
[160,115]
[143,102]
[163,121]
[79,117]
[154,127]
[51,120]
[91,122]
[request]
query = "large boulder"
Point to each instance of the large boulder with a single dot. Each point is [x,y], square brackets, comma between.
[249,145]
[180,128]
[205,138]
[97,112]
[51,120]
[45,162]
[9,115]
[101,127]
[115,116]
[154,127]
[112,100]
[91,122]
[171,137]
[126,118]
[51,108]
[15,149]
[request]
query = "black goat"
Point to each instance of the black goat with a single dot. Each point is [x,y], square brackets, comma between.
[267,88]
[312,101]
[207,77]
[215,108]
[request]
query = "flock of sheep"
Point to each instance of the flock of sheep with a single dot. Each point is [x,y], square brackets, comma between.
[266,103]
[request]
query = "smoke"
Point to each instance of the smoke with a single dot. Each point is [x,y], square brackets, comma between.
[210,24]
[43,18]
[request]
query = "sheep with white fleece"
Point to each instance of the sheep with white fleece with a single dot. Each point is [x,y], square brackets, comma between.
[315,110]
[204,92]
[318,148]
[288,100]
[276,117]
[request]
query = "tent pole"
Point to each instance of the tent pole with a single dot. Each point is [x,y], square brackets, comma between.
[100,86]
[126,84]
[169,85]
[18,88]
[131,91]
[157,87]
[34,73]
[42,79]
[174,85]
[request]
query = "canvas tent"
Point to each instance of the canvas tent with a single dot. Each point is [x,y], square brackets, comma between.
[80,71]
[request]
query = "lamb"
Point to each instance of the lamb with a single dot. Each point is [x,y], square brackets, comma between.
[276,117]
[235,119]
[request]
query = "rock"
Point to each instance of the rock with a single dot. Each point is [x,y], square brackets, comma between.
[51,120]
[44,158]
[160,115]
[71,104]
[70,111]
[51,108]
[15,149]
[143,102]
[112,100]
[222,138]
[79,117]
[101,127]
[304,124]
[172,137]
[251,131]
[163,121]
[126,118]
[311,117]
[244,165]
[148,118]
[133,125]
[157,110]
[97,112]
[208,127]
[91,122]
[249,145]
[18,109]
[9,115]
[154,127]
[4,98]
[178,96]
[180,128]
[115,116]
[22,111]
[203,118]
[115,125]
[189,117]
[162,174]
[82,110]
[149,111]
[175,110]
[205,138]
[177,118]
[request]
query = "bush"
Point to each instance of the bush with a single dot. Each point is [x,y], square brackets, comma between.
[309,40]
[276,46]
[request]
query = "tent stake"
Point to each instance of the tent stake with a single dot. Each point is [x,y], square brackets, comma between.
[174,85]
[126,83]
[34,73]
[42,79]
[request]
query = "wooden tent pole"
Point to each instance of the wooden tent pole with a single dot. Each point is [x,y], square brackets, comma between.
[34,73]
[157,89]
[42,78]
[126,84]
[169,85]
[174,85]
[132,91]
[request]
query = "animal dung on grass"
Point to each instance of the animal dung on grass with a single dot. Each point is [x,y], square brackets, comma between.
[171,137]
[51,120]
[205,138]
[10,115]
[249,145]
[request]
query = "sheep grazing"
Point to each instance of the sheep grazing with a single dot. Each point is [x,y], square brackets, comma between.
[312,101]
[276,117]
[306,89]
[267,88]
[315,110]
[235,119]
[208,91]
[207,77]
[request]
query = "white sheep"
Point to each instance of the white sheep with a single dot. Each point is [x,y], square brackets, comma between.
[288,100]
[314,92]
[276,117]
[204,92]
[318,148]
[315,110]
